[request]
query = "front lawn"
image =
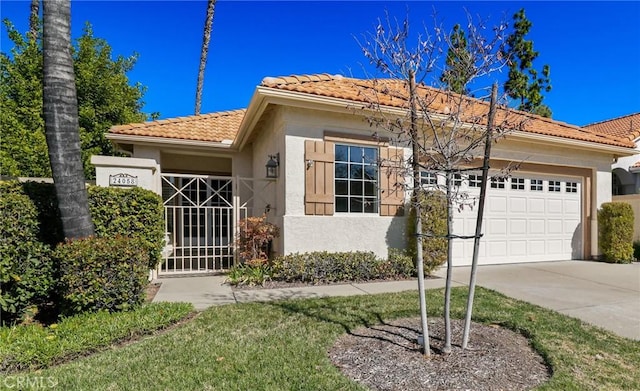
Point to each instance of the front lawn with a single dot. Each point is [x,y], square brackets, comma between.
[282,346]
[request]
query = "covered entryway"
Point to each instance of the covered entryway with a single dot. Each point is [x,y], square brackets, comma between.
[202,217]
[527,218]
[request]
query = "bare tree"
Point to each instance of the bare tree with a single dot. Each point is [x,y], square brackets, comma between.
[446,132]
[60,105]
[206,37]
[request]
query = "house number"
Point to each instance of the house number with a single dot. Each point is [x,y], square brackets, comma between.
[123,180]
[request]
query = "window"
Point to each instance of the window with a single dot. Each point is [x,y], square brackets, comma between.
[475,180]
[428,178]
[497,183]
[457,180]
[554,186]
[356,179]
[571,187]
[517,183]
[536,185]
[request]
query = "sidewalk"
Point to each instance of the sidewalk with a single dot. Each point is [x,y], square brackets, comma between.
[208,291]
[606,295]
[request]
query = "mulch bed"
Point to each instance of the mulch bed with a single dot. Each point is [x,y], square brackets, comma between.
[387,357]
[282,284]
[151,290]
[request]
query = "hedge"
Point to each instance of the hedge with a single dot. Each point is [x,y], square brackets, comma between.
[96,274]
[26,270]
[615,226]
[434,221]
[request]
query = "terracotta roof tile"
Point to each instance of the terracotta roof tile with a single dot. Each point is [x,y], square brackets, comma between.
[392,92]
[627,126]
[214,127]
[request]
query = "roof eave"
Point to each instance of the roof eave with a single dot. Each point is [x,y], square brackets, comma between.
[580,144]
[174,142]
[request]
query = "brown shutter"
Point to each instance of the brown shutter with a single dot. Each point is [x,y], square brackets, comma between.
[319,159]
[391,181]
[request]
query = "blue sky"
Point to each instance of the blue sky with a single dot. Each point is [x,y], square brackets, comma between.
[593,48]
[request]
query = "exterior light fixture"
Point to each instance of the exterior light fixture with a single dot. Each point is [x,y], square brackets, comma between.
[272,165]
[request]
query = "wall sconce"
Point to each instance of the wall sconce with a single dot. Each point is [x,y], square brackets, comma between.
[272,165]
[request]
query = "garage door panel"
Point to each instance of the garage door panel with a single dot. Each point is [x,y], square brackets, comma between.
[554,205]
[538,220]
[536,205]
[536,226]
[517,226]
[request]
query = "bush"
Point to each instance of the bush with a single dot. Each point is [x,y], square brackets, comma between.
[636,250]
[255,238]
[324,267]
[26,270]
[434,221]
[250,274]
[102,274]
[134,212]
[615,224]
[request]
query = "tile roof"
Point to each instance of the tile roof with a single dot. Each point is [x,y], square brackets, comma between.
[219,126]
[214,127]
[392,92]
[627,126]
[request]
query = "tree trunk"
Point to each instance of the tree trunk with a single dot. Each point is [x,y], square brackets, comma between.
[447,288]
[61,120]
[211,5]
[415,198]
[483,192]
[33,20]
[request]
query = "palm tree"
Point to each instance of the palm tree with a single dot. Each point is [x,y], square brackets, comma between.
[211,5]
[61,120]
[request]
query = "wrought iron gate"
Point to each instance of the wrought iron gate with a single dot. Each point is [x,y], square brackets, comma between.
[200,222]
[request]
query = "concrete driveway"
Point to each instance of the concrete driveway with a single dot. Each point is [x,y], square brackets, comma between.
[606,295]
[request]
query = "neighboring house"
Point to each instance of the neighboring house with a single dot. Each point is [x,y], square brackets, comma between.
[330,194]
[625,170]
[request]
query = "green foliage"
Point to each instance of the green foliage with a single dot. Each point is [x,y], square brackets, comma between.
[524,84]
[325,267]
[32,347]
[26,270]
[459,63]
[250,274]
[636,250]
[615,225]
[434,221]
[105,98]
[101,274]
[134,212]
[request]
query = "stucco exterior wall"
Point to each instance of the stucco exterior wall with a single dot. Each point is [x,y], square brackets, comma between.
[350,232]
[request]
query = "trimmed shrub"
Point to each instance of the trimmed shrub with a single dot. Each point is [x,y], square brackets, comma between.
[134,212]
[101,274]
[615,225]
[434,221]
[26,270]
[324,267]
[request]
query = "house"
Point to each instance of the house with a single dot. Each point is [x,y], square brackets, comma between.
[328,192]
[625,170]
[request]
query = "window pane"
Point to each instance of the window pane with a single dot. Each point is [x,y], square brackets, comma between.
[370,189]
[356,188]
[371,173]
[355,154]
[356,171]
[342,153]
[356,205]
[342,187]
[370,155]
[342,170]
[370,205]
[342,204]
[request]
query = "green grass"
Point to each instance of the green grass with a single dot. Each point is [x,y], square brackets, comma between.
[282,346]
[35,346]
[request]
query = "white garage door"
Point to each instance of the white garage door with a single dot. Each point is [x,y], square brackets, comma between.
[527,218]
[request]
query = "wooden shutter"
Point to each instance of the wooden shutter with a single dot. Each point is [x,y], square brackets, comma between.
[391,181]
[319,159]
